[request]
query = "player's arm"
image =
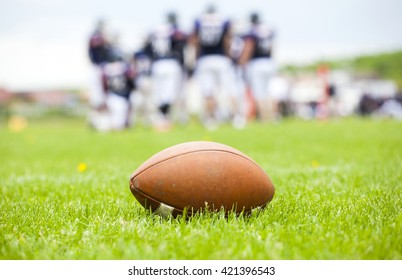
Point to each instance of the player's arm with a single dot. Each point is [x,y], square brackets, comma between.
[227,39]
[194,39]
[92,49]
[131,78]
[179,41]
[148,50]
[91,53]
[249,45]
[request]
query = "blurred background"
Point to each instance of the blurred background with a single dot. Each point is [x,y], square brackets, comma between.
[355,44]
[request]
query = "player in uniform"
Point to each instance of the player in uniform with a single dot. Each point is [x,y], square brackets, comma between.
[260,67]
[238,90]
[165,47]
[144,109]
[118,82]
[214,71]
[98,49]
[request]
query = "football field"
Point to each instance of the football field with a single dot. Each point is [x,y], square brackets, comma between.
[65,193]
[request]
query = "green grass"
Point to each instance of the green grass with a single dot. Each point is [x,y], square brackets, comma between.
[338,194]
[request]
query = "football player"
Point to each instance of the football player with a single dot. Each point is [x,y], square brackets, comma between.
[238,91]
[260,67]
[118,82]
[98,49]
[214,72]
[144,107]
[165,47]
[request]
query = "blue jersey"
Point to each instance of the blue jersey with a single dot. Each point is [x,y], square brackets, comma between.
[142,63]
[263,37]
[166,42]
[98,48]
[118,78]
[179,41]
[211,31]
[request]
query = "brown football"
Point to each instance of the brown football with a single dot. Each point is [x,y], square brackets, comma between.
[199,175]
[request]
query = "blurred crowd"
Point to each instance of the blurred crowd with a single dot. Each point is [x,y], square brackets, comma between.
[217,73]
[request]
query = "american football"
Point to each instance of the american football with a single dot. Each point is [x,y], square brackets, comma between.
[201,175]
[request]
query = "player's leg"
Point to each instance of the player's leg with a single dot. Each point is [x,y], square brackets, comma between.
[97,100]
[239,99]
[119,108]
[204,76]
[259,79]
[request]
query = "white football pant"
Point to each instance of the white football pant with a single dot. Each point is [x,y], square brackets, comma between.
[96,95]
[259,72]
[214,73]
[119,111]
[166,80]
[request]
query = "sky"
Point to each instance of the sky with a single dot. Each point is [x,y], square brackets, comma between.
[43,43]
